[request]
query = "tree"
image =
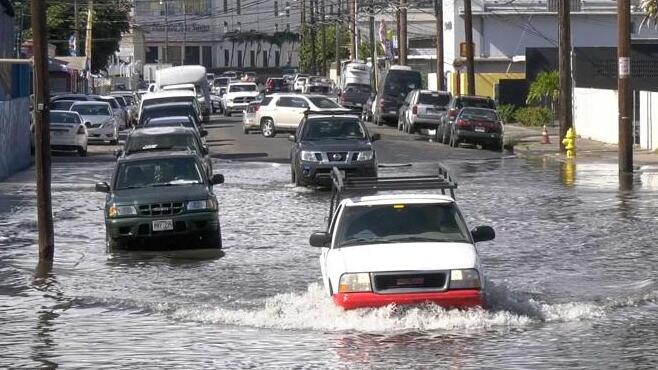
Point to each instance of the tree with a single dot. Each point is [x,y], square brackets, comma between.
[650,8]
[305,61]
[545,89]
[111,20]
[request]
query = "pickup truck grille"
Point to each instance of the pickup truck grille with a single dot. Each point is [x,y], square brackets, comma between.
[243,99]
[161,209]
[407,282]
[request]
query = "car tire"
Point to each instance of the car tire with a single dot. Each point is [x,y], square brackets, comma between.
[82,151]
[267,127]
[245,131]
[454,140]
[111,243]
[114,142]
[497,146]
[214,240]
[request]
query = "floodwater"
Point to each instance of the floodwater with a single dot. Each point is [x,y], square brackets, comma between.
[571,280]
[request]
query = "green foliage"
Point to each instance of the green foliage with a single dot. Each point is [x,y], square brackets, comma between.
[365,50]
[305,58]
[533,116]
[545,89]
[506,112]
[110,21]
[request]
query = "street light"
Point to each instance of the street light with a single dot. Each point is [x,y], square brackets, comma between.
[166,52]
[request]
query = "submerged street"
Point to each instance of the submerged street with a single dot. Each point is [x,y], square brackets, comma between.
[571,273]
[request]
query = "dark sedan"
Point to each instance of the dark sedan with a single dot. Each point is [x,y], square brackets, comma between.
[478,126]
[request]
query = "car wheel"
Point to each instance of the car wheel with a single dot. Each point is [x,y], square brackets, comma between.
[214,240]
[111,243]
[267,127]
[454,139]
[82,151]
[245,131]
[114,142]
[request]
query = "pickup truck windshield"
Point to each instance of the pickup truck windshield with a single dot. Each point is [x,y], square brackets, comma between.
[242,88]
[401,223]
[332,128]
[157,172]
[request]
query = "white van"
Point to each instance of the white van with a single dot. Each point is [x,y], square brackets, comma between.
[184,75]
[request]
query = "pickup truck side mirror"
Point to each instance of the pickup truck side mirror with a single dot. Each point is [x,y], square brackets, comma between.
[205,150]
[483,233]
[320,239]
[118,152]
[203,133]
[375,137]
[217,179]
[102,187]
[292,138]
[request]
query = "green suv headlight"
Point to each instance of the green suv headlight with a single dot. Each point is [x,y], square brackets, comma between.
[309,156]
[202,205]
[464,279]
[365,156]
[117,211]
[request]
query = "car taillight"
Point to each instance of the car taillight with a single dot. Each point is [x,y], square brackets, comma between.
[463,122]
[414,110]
[452,113]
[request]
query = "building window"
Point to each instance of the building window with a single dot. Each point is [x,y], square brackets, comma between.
[287,9]
[225,6]
[277,58]
[151,54]
[288,27]
[252,58]
[206,56]
[239,58]
[192,55]
[276,27]
[225,27]
[227,58]
[265,59]
[237,7]
[239,26]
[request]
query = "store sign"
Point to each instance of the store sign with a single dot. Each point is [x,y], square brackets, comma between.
[178,27]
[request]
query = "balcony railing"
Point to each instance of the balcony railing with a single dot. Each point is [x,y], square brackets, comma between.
[532,6]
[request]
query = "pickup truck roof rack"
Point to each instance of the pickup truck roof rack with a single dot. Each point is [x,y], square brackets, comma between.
[341,184]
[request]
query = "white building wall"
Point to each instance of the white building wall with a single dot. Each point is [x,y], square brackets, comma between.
[595,114]
[648,120]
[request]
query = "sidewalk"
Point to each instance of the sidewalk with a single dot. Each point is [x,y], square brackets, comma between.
[527,142]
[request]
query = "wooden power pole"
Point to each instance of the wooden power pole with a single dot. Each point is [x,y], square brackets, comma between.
[565,114]
[337,34]
[42,134]
[438,14]
[624,87]
[403,32]
[314,59]
[352,23]
[470,62]
[323,35]
[373,43]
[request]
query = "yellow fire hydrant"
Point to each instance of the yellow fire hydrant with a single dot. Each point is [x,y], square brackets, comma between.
[569,143]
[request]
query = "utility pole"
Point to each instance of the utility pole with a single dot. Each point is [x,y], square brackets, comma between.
[624,87]
[438,14]
[42,133]
[356,30]
[352,22]
[314,60]
[76,24]
[373,43]
[184,32]
[403,33]
[565,114]
[337,34]
[397,30]
[323,34]
[470,62]
[166,48]
[89,51]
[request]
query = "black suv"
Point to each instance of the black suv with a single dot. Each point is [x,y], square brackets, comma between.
[162,199]
[452,110]
[327,140]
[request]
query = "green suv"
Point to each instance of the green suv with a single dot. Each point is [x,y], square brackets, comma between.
[162,199]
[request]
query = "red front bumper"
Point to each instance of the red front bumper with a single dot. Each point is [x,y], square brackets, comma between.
[465,298]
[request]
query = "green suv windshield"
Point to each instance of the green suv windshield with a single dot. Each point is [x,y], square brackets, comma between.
[319,129]
[400,223]
[160,142]
[157,172]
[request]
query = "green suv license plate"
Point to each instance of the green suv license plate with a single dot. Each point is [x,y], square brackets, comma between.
[163,225]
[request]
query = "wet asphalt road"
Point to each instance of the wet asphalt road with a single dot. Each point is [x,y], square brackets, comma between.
[571,273]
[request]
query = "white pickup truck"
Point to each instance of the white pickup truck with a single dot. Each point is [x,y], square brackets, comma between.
[400,249]
[238,96]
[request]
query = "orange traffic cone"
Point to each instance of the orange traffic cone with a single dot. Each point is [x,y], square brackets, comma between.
[544,136]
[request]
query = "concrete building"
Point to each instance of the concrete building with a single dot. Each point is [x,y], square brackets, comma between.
[503,30]
[219,33]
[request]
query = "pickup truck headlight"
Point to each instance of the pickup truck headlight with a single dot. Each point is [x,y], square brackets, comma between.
[309,156]
[199,205]
[464,279]
[359,282]
[118,211]
[365,156]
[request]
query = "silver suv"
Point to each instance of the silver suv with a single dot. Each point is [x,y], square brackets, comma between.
[422,109]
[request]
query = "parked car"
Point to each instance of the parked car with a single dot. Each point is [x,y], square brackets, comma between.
[169,110]
[61,105]
[456,104]
[129,100]
[162,199]
[238,96]
[299,82]
[285,111]
[422,109]
[99,119]
[250,119]
[401,249]
[325,141]
[154,138]
[397,82]
[176,121]
[477,126]
[354,96]
[170,96]
[276,85]
[67,132]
